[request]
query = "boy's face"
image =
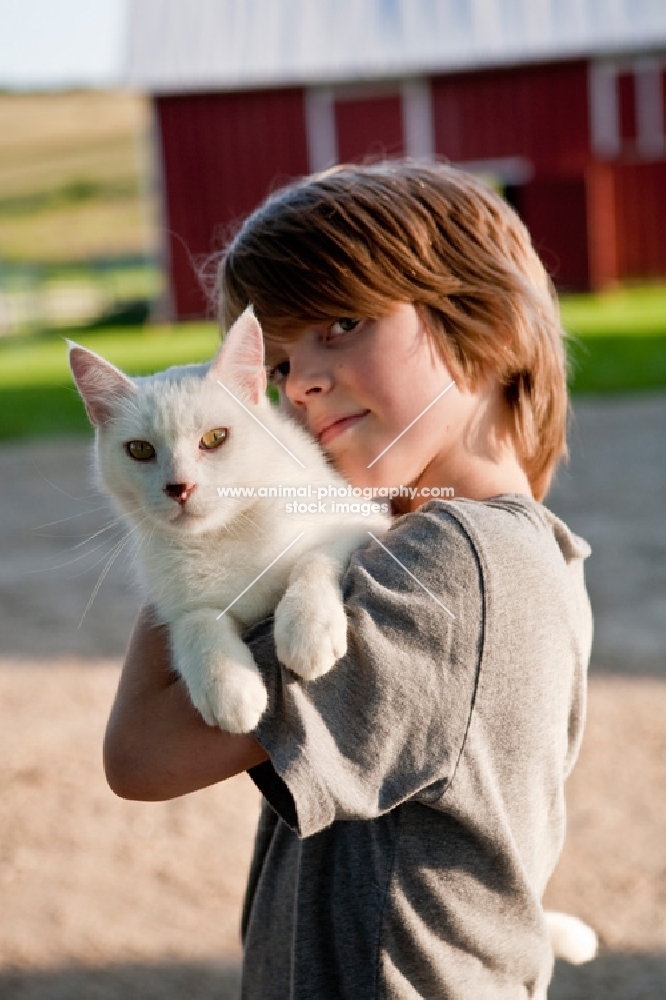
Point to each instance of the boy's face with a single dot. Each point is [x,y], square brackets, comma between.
[376,394]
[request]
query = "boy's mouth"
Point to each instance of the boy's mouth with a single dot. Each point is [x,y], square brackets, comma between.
[332,428]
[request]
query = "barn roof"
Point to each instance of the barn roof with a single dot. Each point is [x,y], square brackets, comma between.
[182,45]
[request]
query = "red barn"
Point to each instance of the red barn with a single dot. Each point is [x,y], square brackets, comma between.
[560,103]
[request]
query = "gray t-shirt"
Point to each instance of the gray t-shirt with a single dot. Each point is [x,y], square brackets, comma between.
[417,790]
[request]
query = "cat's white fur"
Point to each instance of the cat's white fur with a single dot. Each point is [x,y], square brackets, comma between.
[199,556]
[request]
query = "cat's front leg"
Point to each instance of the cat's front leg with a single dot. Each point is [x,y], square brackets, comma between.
[310,623]
[218,669]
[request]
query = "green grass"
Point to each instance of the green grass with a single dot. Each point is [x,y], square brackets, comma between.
[618,364]
[618,340]
[37,395]
[618,345]
[628,312]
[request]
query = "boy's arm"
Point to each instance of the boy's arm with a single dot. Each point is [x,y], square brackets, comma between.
[156,745]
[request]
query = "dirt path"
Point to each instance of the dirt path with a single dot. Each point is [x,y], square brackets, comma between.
[109,899]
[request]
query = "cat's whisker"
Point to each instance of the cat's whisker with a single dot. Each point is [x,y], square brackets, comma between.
[149,538]
[55,486]
[120,520]
[107,527]
[68,562]
[113,523]
[82,513]
[70,517]
[114,555]
[88,569]
[146,538]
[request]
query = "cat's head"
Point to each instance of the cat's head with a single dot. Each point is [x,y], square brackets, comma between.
[166,442]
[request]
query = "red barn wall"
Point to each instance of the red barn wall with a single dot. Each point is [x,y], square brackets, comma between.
[593,220]
[369,126]
[221,154]
[640,213]
[538,112]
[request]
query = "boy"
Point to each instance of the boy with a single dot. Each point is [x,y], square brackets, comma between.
[416,790]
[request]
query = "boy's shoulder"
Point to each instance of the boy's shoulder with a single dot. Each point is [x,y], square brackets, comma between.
[524,562]
[511,524]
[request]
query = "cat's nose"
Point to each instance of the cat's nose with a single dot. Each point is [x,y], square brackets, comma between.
[180,491]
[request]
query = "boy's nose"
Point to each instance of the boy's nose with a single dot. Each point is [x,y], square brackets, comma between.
[299,392]
[308,376]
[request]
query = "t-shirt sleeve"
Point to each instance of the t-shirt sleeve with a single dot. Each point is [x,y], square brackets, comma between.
[387,724]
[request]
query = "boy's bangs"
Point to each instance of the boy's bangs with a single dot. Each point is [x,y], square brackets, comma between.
[289,295]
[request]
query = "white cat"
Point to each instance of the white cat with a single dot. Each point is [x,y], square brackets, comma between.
[213,565]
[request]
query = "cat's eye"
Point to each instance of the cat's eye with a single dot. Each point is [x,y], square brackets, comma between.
[344,325]
[213,439]
[142,451]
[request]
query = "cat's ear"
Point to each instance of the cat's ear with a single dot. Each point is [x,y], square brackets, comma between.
[240,360]
[100,383]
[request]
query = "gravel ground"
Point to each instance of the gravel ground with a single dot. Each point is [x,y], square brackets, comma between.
[109,899]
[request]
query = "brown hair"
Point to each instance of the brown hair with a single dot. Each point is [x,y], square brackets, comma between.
[356,240]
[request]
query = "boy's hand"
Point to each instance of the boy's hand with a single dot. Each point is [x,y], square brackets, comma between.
[157,746]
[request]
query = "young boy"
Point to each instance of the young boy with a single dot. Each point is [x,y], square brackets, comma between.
[416,791]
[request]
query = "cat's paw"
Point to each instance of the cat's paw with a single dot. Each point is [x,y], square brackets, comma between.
[310,630]
[233,697]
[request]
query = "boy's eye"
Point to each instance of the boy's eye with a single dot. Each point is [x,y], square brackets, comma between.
[213,439]
[141,451]
[278,372]
[344,325]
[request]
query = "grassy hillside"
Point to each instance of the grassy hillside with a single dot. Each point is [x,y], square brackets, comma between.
[72,168]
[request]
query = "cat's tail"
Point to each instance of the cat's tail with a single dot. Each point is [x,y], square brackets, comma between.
[571,938]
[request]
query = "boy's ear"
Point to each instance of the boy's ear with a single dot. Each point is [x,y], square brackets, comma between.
[239,363]
[100,383]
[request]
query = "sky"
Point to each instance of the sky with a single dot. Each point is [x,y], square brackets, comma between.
[48,44]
